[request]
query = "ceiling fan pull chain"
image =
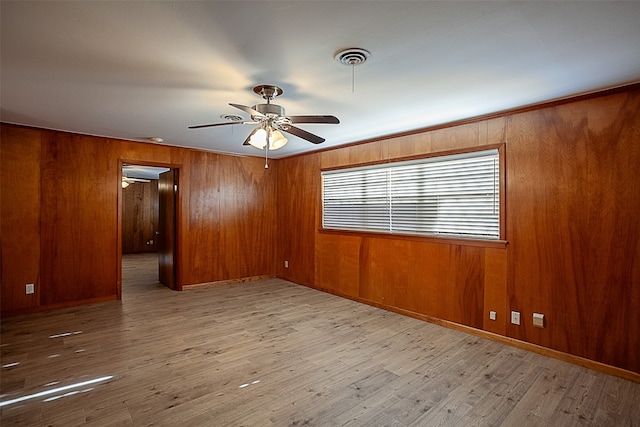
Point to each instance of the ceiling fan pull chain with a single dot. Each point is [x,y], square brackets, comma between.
[352,56]
[353,77]
[266,147]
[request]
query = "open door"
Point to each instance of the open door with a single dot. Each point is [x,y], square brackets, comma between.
[167,186]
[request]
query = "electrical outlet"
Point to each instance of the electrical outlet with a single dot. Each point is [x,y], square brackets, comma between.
[538,320]
[515,317]
[29,288]
[286,264]
[492,315]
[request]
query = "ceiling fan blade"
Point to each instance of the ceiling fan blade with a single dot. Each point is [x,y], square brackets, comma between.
[215,124]
[248,110]
[314,119]
[127,179]
[303,134]
[249,122]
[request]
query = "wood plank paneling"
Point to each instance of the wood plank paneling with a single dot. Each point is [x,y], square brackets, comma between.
[204,218]
[492,131]
[467,289]
[410,145]
[79,218]
[495,290]
[297,197]
[334,158]
[430,275]
[232,220]
[248,217]
[443,281]
[438,280]
[339,263]
[546,205]
[389,264]
[149,154]
[140,217]
[367,153]
[20,218]
[356,154]
[573,223]
[612,293]
[457,137]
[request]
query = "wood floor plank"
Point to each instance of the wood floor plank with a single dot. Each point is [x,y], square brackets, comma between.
[271,353]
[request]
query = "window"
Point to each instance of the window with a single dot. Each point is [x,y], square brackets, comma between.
[454,195]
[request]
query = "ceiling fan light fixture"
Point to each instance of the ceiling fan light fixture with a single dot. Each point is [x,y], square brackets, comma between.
[277,140]
[258,139]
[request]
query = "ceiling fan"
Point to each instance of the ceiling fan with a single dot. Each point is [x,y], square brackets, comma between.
[271,120]
[126,181]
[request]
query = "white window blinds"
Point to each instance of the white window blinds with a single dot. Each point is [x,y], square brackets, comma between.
[455,195]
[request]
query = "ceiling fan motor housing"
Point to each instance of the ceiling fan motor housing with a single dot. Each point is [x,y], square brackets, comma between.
[268,110]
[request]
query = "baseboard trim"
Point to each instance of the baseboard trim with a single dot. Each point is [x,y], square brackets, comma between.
[523,345]
[205,285]
[57,306]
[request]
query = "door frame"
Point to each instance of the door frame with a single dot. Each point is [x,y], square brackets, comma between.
[177,213]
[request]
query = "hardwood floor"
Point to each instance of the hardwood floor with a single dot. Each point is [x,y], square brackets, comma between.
[271,353]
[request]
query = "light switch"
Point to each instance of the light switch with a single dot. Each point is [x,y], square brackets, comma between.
[29,288]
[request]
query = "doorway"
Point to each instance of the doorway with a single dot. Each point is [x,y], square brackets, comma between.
[147,225]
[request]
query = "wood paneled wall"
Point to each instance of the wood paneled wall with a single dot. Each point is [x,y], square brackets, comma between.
[572,229]
[60,195]
[140,217]
[298,194]
[573,201]
[77,218]
[232,219]
[20,167]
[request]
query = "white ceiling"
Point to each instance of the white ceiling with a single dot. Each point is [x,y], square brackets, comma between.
[144,172]
[141,69]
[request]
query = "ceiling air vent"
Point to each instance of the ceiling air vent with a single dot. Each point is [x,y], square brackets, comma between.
[352,56]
